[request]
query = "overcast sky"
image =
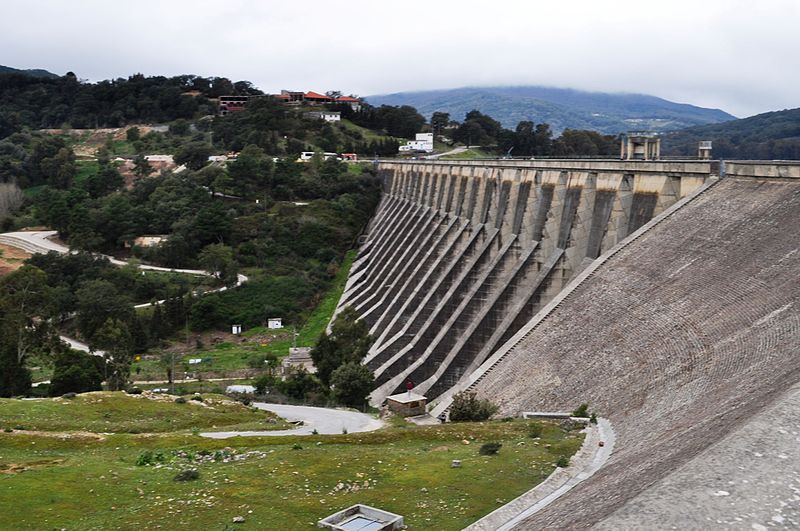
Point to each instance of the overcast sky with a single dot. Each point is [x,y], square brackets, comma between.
[740,56]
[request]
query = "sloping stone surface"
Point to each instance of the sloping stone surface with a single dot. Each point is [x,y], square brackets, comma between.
[749,480]
[678,339]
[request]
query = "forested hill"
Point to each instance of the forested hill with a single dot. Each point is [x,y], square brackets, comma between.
[772,135]
[561,108]
[35,102]
[33,72]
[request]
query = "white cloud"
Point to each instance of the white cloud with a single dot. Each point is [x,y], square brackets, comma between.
[737,55]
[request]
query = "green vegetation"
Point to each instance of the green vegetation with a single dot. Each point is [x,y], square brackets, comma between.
[84,482]
[490,448]
[772,135]
[260,342]
[581,411]
[107,412]
[561,108]
[472,153]
[467,407]
[535,430]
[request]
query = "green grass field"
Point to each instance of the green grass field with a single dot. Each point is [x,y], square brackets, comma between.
[90,482]
[106,412]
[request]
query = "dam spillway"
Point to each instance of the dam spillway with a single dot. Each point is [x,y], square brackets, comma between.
[461,255]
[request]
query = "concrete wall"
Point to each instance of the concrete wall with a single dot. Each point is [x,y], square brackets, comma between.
[462,254]
[682,336]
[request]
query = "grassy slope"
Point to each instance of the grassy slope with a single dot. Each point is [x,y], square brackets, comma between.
[231,356]
[471,153]
[90,484]
[120,413]
[368,134]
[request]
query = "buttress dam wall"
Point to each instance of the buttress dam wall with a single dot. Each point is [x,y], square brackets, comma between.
[461,255]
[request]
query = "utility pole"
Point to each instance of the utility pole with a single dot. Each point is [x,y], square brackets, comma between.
[172,373]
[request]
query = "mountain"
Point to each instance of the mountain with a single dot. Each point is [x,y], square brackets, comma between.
[772,135]
[36,72]
[561,108]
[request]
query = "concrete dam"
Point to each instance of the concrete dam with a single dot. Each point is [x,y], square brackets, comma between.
[665,295]
[461,255]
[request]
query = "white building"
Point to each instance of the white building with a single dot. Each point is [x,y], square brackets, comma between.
[328,116]
[422,143]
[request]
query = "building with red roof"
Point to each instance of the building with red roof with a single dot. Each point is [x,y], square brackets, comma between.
[316,97]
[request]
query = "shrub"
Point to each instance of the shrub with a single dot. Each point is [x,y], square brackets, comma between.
[180,400]
[198,398]
[563,462]
[593,419]
[352,383]
[297,447]
[490,448]
[148,457]
[69,395]
[134,391]
[582,411]
[75,372]
[468,407]
[535,430]
[264,383]
[187,475]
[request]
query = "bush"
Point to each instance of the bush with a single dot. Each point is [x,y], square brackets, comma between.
[593,419]
[180,400]
[490,448]
[69,395]
[297,447]
[468,407]
[197,398]
[264,383]
[134,391]
[352,383]
[535,430]
[187,475]
[563,462]
[76,372]
[582,411]
[148,457]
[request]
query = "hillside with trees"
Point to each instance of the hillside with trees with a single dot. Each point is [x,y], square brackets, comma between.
[772,135]
[287,225]
[34,72]
[561,108]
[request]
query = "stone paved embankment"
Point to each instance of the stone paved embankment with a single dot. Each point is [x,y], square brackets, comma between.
[684,336]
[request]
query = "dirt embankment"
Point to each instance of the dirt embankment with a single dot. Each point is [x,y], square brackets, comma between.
[11,259]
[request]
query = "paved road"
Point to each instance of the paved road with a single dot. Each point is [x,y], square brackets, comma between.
[41,241]
[325,421]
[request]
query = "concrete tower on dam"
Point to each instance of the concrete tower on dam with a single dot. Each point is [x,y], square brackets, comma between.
[460,255]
